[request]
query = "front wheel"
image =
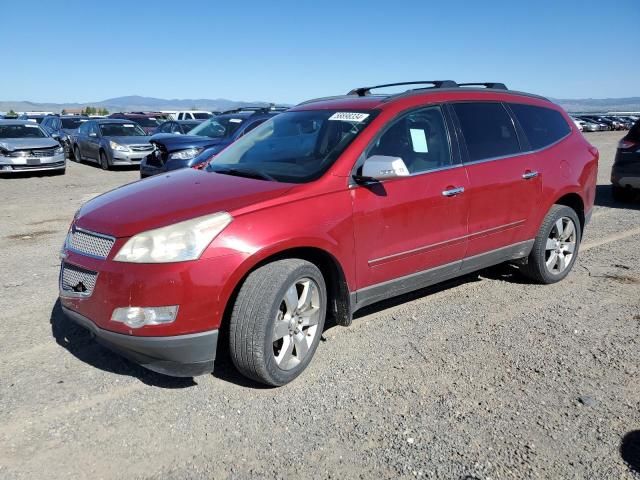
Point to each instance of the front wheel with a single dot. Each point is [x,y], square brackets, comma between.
[277,321]
[104,161]
[555,248]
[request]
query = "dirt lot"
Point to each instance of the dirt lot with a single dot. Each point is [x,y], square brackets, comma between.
[484,377]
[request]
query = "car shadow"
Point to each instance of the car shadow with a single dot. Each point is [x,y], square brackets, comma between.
[630,450]
[604,198]
[28,174]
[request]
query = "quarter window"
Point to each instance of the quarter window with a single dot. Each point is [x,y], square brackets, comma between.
[542,126]
[419,138]
[487,129]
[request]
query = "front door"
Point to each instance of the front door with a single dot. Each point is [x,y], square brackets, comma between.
[411,231]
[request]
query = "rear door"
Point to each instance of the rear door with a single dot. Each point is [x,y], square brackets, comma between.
[93,142]
[504,181]
[410,231]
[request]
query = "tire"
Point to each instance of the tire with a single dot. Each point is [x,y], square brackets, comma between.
[76,154]
[545,251]
[104,161]
[261,313]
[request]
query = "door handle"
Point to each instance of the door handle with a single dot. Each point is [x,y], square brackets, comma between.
[529,175]
[452,192]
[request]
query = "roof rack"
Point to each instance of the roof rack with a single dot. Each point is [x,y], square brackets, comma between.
[264,109]
[363,91]
[495,85]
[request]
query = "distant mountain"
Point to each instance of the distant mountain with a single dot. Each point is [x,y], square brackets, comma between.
[131,103]
[629,104]
[139,103]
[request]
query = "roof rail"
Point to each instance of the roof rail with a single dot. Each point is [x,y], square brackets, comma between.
[495,85]
[362,91]
[267,108]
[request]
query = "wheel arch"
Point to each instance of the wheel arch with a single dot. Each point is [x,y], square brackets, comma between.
[574,201]
[338,299]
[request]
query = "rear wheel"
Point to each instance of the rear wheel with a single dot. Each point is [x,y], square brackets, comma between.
[555,248]
[621,194]
[104,161]
[277,321]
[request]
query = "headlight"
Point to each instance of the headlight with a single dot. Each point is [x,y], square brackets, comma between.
[59,151]
[176,243]
[118,147]
[187,154]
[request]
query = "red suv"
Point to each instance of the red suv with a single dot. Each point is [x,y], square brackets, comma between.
[333,205]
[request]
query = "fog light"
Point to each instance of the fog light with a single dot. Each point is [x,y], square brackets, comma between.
[136,317]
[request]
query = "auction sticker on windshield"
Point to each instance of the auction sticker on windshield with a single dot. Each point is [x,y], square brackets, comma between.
[129,125]
[349,116]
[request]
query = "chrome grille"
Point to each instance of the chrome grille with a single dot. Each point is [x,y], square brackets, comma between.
[89,243]
[77,281]
[43,152]
[141,148]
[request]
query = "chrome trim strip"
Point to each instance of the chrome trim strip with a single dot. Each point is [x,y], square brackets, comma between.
[394,256]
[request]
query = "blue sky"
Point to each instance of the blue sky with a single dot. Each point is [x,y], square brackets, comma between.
[288,51]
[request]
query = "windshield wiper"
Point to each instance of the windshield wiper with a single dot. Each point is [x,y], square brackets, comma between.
[242,172]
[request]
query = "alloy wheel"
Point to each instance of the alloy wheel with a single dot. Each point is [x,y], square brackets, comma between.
[561,245]
[296,324]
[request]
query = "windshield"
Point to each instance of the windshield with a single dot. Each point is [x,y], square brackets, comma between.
[293,147]
[121,130]
[217,127]
[72,123]
[147,121]
[201,116]
[21,131]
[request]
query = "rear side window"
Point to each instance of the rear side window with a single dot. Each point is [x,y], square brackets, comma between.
[542,126]
[487,129]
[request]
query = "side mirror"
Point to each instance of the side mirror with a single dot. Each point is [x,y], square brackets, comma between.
[383,167]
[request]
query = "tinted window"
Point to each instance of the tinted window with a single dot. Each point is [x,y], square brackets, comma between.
[419,138]
[121,130]
[30,130]
[84,129]
[72,123]
[488,130]
[634,133]
[542,126]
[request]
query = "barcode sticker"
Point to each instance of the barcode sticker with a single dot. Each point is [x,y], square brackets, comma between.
[349,116]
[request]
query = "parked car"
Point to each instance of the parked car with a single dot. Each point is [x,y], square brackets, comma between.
[110,142]
[321,210]
[192,115]
[173,152]
[179,127]
[62,127]
[24,146]
[578,123]
[148,121]
[34,117]
[625,173]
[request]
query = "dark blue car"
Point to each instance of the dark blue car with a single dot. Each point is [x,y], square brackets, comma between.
[173,152]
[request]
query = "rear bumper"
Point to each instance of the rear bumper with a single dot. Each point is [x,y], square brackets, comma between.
[177,356]
[626,171]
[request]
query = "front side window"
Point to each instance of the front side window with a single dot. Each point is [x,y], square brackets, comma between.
[542,126]
[30,130]
[121,130]
[487,129]
[419,138]
[72,123]
[294,147]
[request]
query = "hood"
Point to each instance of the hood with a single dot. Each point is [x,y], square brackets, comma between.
[130,140]
[172,143]
[166,199]
[27,143]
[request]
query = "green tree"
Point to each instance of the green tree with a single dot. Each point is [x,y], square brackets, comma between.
[12,113]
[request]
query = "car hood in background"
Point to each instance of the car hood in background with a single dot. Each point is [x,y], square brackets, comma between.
[130,140]
[26,143]
[172,143]
[169,198]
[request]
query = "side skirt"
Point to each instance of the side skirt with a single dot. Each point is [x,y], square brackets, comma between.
[415,281]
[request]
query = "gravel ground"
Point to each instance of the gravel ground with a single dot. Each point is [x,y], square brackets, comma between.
[483,377]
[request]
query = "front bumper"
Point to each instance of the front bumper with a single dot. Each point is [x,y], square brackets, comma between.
[127,158]
[178,356]
[27,164]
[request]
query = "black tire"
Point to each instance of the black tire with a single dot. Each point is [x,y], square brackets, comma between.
[536,268]
[621,194]
[251,328]
[104,161]
[76,154]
